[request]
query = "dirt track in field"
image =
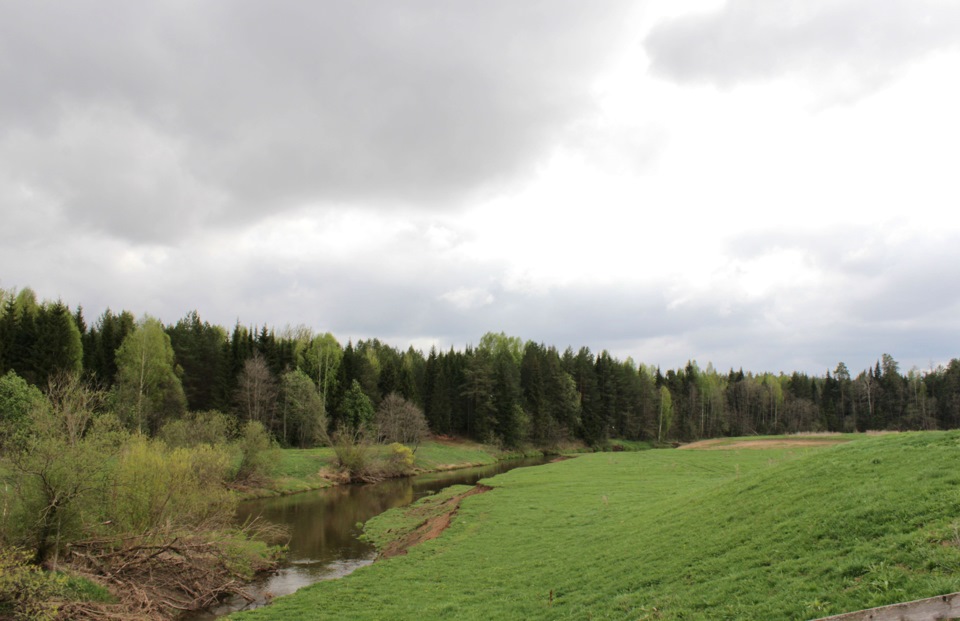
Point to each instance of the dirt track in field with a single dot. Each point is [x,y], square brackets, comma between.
[722,444]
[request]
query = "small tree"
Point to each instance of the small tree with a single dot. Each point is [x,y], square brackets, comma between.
[59,466]
[256,452]
[399,420]
[257,391]
[148,391]
[303,417]
[357,408]
[17,399]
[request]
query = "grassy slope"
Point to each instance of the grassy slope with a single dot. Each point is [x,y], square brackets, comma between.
[778,534]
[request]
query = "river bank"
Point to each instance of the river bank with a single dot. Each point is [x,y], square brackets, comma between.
[325,537]
[302,470]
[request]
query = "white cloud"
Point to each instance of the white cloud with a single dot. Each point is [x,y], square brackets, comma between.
[468,298]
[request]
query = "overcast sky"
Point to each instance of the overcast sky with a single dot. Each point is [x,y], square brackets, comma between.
[766,184]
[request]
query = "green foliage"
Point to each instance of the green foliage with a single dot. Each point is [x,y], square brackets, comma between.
[246,556]
[199,349]
[100,345]
[58,475]
[154,486]
[17,398]
[148,391]
[358,411]
[58,348]
[26,591]
[296,470]
[213,428]
[400,460]
[303,415]
[320,358]
[257,453]
[354,453]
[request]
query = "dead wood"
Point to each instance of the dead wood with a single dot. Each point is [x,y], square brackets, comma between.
[156,575]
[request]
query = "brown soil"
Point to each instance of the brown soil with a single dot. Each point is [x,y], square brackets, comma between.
[721,444]
[432,526]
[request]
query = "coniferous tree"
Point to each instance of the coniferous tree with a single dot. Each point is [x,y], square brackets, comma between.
[584,375]
[199,351]
[358,410]
[58,347]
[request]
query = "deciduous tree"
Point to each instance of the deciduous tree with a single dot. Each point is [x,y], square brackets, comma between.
[302,414]
[257,391]
[148,390]
[399,420]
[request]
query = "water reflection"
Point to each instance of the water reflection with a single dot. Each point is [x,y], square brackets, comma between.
[325,525]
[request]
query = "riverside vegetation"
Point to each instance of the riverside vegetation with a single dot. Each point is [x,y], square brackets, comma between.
[780,533]
[133,527]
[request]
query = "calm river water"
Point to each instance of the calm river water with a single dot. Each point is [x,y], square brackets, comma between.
[325,526]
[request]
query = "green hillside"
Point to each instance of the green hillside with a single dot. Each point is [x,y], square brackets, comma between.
[737,534]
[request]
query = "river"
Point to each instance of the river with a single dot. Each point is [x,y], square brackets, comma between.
[325,526]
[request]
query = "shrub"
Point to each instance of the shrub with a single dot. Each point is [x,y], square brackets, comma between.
[26,590]
[256,452]
[196,428]
[17,398]
[399,461]
[157,486]
[354,454]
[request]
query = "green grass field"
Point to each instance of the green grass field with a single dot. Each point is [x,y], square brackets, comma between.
[789,533]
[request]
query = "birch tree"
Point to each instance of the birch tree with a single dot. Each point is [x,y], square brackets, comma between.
[148,390]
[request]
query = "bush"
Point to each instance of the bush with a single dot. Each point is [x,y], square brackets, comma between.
[156,486]
[17,399]
[399,461]
[196,428]
[26,590]
[256,453]
[57,481]
[354,454]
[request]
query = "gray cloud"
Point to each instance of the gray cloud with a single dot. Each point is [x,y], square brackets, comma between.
[878,295]
[889,301]
[847,47]
[186,114]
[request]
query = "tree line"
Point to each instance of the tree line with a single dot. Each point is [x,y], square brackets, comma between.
[302,385]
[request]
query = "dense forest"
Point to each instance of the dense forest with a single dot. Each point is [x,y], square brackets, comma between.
[502,390]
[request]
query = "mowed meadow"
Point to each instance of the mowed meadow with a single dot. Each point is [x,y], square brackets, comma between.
[799,531]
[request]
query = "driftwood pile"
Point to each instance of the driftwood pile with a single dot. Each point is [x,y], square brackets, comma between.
[153,577]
